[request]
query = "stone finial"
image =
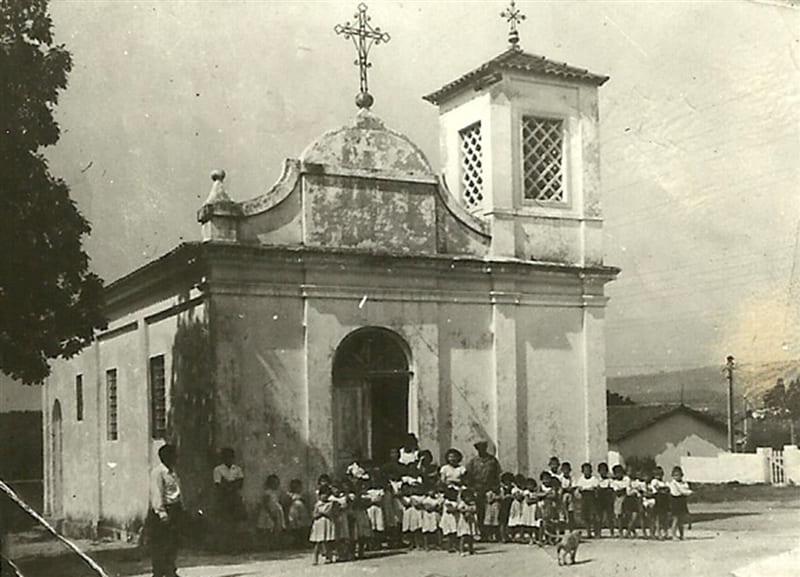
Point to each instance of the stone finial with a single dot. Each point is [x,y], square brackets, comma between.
[219,214]
[218,195]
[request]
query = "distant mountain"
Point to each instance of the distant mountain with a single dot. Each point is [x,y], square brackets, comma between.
[705,388]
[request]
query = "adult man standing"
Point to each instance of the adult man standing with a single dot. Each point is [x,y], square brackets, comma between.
[483,473]
[165,513]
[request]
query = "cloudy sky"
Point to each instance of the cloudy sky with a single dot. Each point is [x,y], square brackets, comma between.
[700,137]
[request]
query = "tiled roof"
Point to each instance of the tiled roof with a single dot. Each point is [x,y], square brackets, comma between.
[625,420]
[516,60]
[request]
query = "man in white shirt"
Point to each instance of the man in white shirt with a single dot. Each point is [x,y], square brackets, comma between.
[165,513]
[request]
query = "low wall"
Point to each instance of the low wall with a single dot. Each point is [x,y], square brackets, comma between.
[745,468]
[791,464]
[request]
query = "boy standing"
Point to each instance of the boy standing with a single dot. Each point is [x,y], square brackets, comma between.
[165,513]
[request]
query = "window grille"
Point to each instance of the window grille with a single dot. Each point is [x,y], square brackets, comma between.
[158,397]
[79,397]
[472,165]
[543,159]
[111,405]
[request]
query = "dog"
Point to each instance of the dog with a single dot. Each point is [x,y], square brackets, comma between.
[567,547]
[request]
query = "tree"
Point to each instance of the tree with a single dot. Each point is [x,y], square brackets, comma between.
[50,302]
[784,403]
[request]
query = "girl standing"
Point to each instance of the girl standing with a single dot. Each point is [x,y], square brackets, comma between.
[361,527]
[298,517]
[375,497]
[430,519]
[392,507]
[491,514]
[341,522]
[452,473]
[412,521]
[323,532]
[449,520]
[467,527]
[530,517]
[516,510]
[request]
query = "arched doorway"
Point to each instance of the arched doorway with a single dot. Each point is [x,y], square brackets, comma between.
[370,395]
[56,463]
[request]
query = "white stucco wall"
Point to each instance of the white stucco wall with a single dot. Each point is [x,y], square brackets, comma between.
[106,481]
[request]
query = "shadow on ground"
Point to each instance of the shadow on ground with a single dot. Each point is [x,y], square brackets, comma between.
[135,561]
[718,515]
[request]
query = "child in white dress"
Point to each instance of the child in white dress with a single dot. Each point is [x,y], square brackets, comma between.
[530,517]
[323,531]
[515,513]
[467,524]
[449,519]
[491,514]
[374,496]
[430,519]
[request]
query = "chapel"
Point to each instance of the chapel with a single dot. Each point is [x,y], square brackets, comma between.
[362,296]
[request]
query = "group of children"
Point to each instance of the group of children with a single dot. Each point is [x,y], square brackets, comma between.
[414,503]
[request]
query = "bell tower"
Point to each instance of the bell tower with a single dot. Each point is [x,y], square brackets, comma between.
[519,146]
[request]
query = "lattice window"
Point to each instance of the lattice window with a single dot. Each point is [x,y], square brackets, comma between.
[472,165]
[158,397]
[112,432]
[543,159]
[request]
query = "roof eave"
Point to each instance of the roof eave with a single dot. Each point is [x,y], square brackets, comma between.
[476,76]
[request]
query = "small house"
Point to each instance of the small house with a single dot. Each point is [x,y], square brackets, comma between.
[665,432]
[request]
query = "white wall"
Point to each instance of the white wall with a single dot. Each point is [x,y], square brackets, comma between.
[746,468]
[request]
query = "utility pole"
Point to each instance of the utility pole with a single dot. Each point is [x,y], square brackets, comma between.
[729,368]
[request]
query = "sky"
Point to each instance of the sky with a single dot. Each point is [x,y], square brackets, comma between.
[700,137]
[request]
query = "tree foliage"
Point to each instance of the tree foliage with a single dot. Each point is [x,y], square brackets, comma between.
[50,302]
[782,400]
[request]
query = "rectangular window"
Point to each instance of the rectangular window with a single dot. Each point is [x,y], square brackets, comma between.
[79,397]
[472,165]
[158,397]
[543,159]
[111,405]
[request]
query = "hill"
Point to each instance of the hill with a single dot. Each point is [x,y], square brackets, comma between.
[706,387]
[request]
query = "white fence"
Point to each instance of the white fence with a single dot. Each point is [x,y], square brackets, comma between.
[763,466]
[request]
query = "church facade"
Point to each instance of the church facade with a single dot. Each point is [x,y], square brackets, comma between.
[361,297]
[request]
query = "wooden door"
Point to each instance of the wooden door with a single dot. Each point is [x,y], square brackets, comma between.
[350,425]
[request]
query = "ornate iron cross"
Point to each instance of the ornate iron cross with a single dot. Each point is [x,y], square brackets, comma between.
[513,16]
[364,36]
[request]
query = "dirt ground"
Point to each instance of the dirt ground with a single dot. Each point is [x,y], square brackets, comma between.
[726,537]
